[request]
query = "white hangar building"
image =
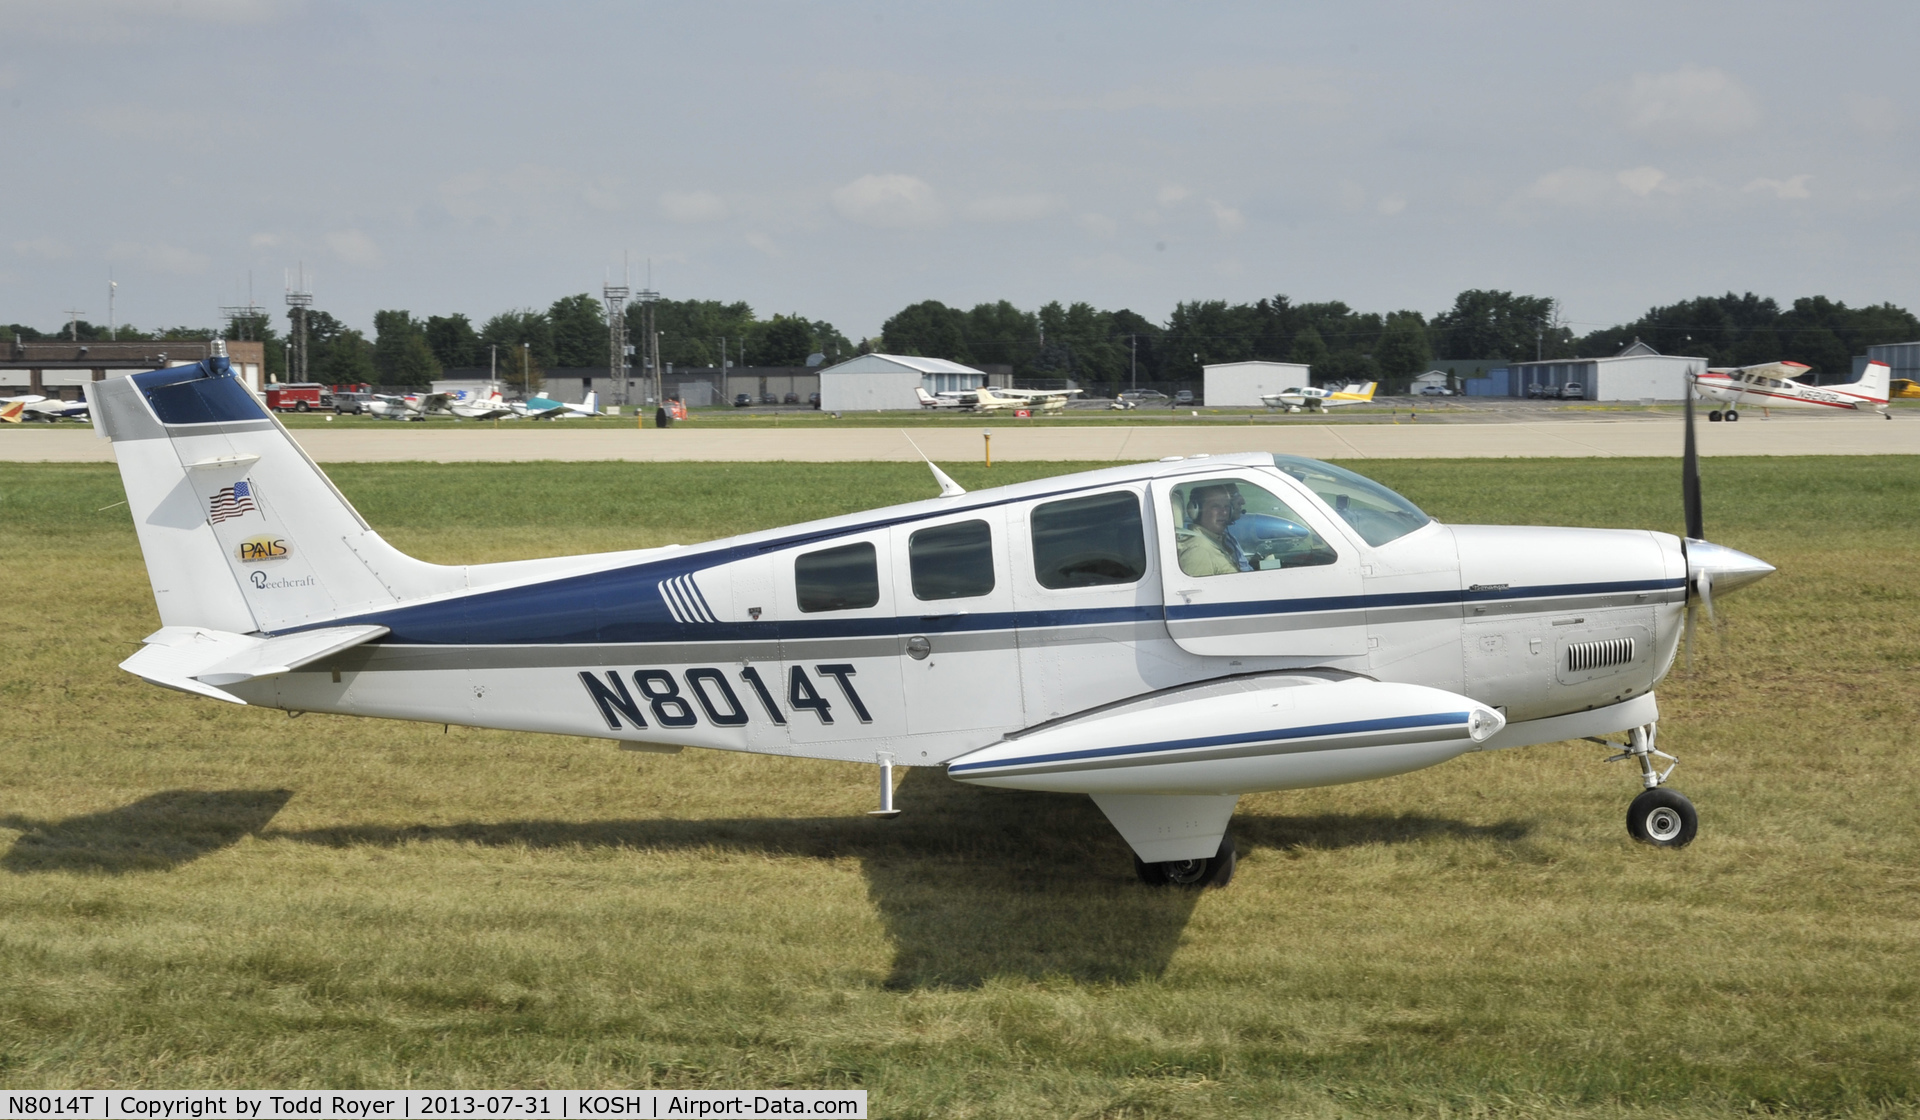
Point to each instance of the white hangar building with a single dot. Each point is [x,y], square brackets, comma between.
[876,382]
[1637,373]
[1242,384]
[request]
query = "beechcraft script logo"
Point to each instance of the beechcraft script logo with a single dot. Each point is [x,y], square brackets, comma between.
[234,501]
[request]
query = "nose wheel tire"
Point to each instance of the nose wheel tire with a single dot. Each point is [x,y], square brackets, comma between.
[1662,818]
[1215,871]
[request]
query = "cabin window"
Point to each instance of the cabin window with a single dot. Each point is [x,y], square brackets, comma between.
[1089,542]
[1222,526]
[837,579]
[1378,514]
[951,561]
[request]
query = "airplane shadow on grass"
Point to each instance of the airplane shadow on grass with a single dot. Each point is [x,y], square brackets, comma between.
[972,883]
[156,833]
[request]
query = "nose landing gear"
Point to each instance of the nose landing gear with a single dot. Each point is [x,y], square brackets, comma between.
[1659,816]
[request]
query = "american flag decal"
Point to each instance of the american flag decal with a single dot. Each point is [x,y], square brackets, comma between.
[234,501]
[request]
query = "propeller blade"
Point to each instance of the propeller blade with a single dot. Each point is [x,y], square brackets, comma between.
[1690,474]
[1689,639]
[1705,586]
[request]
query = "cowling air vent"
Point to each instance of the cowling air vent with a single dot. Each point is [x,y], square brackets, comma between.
[1582,656]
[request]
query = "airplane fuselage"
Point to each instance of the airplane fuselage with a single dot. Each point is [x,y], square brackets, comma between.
[735,644]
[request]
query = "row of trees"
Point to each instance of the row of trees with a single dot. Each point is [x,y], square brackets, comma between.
[1099,349]
[1112,348]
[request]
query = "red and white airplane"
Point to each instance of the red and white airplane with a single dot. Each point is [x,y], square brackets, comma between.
[1772,385]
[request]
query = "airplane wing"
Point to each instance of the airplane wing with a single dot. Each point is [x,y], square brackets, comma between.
[13,411]
[1784,371]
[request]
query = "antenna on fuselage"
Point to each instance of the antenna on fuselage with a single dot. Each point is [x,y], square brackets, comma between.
[948,487]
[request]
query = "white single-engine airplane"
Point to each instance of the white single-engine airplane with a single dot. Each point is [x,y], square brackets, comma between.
[546,408]
[32,406]
[949,398]
[1048,400]
[1314,399]
[1772,385]
[1164,637]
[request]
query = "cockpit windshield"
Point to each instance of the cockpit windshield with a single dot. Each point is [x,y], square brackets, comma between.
[1378,514]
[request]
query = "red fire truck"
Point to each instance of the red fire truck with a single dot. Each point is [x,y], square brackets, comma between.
[301,396]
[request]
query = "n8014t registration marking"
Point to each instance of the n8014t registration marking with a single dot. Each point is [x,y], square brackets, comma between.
[706,691]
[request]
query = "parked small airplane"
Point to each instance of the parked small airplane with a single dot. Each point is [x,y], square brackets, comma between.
[390,406]
[1314,399]
[950,398]
[32,406]
[470,405]
[546,408]
[1772,385]
[1903,387]
[1047,400]
[1164,637]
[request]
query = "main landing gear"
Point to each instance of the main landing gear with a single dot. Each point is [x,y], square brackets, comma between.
[1731,416]
[1659,816]
[1215,871]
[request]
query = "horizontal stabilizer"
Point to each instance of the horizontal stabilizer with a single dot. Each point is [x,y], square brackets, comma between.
[198,660]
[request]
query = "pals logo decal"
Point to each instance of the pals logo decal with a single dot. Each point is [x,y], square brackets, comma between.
[259,550]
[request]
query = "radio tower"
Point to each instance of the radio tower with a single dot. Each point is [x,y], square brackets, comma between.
[299,299]
[615,296]
[650,341]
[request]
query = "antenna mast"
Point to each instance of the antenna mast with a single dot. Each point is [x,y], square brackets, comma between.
[299,298]
[615,296]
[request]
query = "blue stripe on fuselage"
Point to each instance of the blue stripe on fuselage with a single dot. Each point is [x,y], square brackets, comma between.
[1278,735]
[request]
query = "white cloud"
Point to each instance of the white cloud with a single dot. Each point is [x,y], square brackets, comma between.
[1641,181]
[1795,187]
[161,258]
[1572,186]
[1226,219]
[1172,195]
[1012,208]
[354,247]
[890,202]
[43,248]
[765,244]
[1874,116]
[1098,225]
[1681,106]
[693,206]
[1391,205]
[264,241]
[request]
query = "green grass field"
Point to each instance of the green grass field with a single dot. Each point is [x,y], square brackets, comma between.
[193,894]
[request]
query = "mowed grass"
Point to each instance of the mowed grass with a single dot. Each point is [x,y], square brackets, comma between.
[194,894]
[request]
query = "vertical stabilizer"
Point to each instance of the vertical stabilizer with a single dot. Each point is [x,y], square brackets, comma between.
[240,530]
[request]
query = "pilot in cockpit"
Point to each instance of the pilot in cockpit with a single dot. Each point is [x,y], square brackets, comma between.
[1206,549]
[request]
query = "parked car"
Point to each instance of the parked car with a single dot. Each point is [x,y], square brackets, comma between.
[1541,392]
[742,400]
[351,403]
[1182,398]
[792,398]
[813,399]
[1143,396]
[1573,391]
[769,398]
[1435,391]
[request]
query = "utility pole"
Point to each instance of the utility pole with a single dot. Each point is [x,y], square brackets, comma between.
[1133,363]
[112,288]
[526,369]
[73,323]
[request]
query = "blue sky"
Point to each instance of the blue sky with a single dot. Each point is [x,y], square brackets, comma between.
[844,160]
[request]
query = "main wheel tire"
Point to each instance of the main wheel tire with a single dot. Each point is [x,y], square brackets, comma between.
[1215,871]
[1713,417]
[1732,416]
[1662,818]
